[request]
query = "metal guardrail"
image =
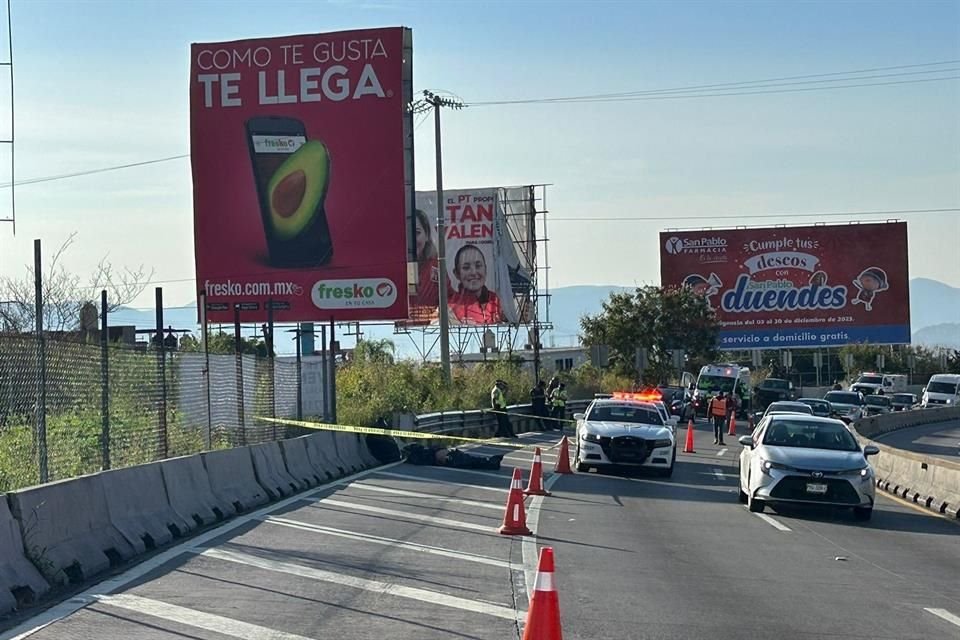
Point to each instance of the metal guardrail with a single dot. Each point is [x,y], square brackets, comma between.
[480,423]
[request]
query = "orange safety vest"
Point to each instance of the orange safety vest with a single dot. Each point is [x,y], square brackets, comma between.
[718,407]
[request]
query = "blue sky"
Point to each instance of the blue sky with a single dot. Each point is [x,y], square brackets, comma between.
[106,83]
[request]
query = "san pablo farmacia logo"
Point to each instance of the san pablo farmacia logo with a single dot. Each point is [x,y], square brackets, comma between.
[710,248]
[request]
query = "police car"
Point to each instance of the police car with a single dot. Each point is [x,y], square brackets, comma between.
[625,430]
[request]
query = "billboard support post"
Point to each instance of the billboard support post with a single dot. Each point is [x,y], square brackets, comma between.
[162,375]
[268,339]
[333,373]
[104,382]
[238,348]
[323,368]
[299,374]
[206,365]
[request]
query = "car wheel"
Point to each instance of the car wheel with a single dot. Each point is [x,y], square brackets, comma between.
[666,473]
[862,513]
[742,497]
[755,506]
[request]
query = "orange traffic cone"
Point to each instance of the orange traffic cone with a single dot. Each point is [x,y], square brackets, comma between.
[688,447]
[535,483]
[733,425]
[750,422]
[515,517]
[543,616]
[563,462]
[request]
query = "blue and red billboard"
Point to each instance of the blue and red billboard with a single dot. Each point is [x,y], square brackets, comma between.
[784,287]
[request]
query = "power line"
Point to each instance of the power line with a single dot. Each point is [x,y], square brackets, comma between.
[64,176]
[752,215]
[731,85]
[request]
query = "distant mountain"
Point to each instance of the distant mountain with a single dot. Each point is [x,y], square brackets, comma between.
[939,335]
[932,303]
[934,310]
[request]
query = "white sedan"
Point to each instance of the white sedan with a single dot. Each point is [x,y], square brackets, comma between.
[626,433]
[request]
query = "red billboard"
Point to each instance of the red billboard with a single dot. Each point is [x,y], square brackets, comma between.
[301,155]
[785,287]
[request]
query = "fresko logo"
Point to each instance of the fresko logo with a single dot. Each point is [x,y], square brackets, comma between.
[369,293]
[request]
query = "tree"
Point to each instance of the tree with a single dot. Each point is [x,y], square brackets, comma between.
[657,319]
[224,343]
[64,294]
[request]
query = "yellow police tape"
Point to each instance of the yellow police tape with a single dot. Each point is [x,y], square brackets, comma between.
[395,433]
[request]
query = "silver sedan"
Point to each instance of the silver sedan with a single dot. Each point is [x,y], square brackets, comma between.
[793,458]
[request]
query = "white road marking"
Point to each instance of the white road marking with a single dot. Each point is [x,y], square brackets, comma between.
[74,604]
[946,615]
[432,496]
[718,474]
[773,523]
[197,619]
[376,586]
[722,452]
[388,542]
[405,476]
[406,514]
[528,546]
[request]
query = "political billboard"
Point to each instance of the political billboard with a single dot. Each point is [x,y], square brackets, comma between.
[806,286]
[302,159]
[489,256]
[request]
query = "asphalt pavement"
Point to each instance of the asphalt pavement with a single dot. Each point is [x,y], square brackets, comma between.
[413,553]
[939,439]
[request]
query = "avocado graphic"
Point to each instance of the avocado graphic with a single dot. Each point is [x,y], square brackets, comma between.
[297,189]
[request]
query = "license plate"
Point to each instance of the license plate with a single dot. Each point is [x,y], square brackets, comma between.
[813,487]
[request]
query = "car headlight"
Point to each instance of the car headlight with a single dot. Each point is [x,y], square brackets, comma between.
[657,444]
[768,465]
[591,437]
[949,400]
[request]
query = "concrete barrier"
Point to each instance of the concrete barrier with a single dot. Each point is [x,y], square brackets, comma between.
[66,529]
[138,506]
[322,453]
[20,582]
[875,426]
[298,464]
[189,492]
[348,451]
[233,481]
[272,473]
[369,461]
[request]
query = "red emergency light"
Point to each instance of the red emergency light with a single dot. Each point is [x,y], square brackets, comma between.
[651,395]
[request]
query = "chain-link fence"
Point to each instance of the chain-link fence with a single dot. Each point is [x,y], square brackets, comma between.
[69,407]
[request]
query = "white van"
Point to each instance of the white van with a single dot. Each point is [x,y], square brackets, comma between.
[869,383]
[942,390]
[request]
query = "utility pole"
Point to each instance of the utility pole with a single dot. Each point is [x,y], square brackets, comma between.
[430,99]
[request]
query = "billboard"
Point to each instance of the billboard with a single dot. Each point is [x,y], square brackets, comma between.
[490,256]
[788,287]
[301,155]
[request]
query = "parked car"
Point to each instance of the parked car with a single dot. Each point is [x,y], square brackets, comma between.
[847,405]
[775,408]
[943,389]
[877,404]
[903,401]
[820,407]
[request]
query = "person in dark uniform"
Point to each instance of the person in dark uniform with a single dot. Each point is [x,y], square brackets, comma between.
[538,404]
[438,456]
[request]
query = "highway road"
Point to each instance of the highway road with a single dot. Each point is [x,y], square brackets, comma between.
[412,553]
[941,440]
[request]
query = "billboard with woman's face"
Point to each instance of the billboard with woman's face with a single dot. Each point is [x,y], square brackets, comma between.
[488,280]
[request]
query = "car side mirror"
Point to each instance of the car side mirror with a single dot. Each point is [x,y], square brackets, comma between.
[871,450]
[746,441]
[579,416]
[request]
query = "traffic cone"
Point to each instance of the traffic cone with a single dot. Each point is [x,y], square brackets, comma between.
[515,517]
[688,447]
[543,616]
[563,462]
[535,483]
[733,425]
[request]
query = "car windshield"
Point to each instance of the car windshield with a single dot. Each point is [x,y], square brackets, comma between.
[870,379]
[817,405]
[715,384]
[775,383]
[789,407]
[942,387]
[625,413]
[784,432]
[842,397]
[878,401]
[903,397]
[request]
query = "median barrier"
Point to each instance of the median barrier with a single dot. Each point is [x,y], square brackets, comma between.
[348,451]
[322,453]
[298,464]
[369,461]
[189,492]
[233,481]
[271,472]
[20,582]
[138,506]
[66,529]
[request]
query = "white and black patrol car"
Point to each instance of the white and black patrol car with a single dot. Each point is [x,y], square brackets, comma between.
[624,432]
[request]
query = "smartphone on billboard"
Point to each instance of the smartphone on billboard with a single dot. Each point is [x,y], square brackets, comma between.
[292,175]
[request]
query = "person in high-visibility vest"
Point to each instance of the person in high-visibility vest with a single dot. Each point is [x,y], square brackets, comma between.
[558,403]
[717,409]
[498,402]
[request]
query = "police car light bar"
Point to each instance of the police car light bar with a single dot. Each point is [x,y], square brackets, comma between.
[645,396]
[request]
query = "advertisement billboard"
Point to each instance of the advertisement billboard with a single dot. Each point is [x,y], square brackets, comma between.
[489,269]
[300,156]
[785,287]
